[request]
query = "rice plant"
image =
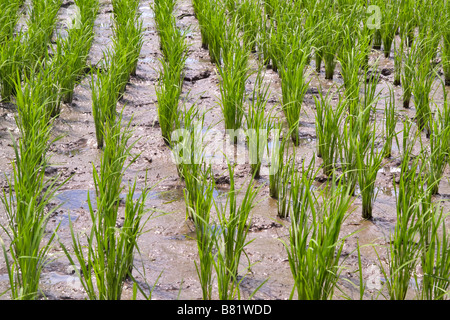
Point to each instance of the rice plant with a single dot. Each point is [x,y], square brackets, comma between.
[328,121]
[368,161]
[234,74]
[284,202]
[127,33]
[390,120]
[349,148]
[10,66]
[314,248]
[168,93]
[170,82]
[294,84]
[9,15]
[277,161]
[41,23]
[403,251]
[259,124]
[351,58]
[435,257]
[200,211]
[407,76]
[215,24]
[398,61]
[28,196]
[445,35]
[109,259]
[389,25]
[407,20]
[377,40]
[231,240]
[249,16]
[201,13]
[72,52]
[333,31]
[422,84]
[105,86]
[438,155]
[70,57]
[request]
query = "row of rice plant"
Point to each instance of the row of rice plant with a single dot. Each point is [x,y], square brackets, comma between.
[171,75]
[221,238]
[72,51]
[23,51]
[108,82]
[109,260]
[29,191]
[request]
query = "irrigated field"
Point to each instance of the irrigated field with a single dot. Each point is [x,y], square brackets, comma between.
[224,149]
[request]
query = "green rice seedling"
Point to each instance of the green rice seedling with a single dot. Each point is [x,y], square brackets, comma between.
[104,102]
[368,162]
[71,56]
[190,156]
[435,257]
[389,25]
[319,37]
[127,33]
[407,20]
[258,126]
[333,32]
[368,104]
[349,148]
[277,161]
[40,89]
[446,59]
[234,74]
[200,211]
[200,10]
[294,85]
[127,44]
[301,190]
[231,240]
[28,196]
[403,251]
[88,11]
[284,195]
[398,61]
[187,142]
[109,258]
[263,40]
[351,58]
[407,77]
[328,121]
[168,93]
[216,24]
[9,15]
[314,248]
[10,66]
[41,23]
[249,16]
[438,154]
[390,120]
[422,84]
[270,7]
[377,40]
[163,14]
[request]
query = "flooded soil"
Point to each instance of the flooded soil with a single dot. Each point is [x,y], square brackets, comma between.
[168,248]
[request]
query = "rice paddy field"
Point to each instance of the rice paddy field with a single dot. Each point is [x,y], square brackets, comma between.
[224,149]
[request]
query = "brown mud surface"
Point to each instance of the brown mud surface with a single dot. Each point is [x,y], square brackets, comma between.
[167,249]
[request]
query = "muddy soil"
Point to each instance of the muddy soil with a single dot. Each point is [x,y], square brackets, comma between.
[168,248]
